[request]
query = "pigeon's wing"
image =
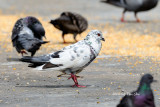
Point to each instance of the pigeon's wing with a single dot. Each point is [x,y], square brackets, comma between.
[16,29]
[79,21]
[114,2]
[127,4]
[150,100]
[67,21]
[71,58]
[132,5]
[29,43]
[126,101]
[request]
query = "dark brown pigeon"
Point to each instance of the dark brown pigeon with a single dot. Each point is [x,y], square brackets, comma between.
[27,35]
[133,5]
[143,97]
[69,22]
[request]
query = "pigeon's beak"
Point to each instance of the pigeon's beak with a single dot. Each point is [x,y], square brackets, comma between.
[154,80]
[103,39]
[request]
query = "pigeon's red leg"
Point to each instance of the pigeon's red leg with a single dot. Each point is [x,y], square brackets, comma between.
[122,19]
[74,77]
[137,19]
[23,52]
[69,77]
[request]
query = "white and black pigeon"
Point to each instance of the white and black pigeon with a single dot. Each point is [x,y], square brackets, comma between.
[71,59]
[70,22]
[27,35]
[133,5]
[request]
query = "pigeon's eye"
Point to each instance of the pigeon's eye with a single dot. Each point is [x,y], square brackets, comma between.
[99,34]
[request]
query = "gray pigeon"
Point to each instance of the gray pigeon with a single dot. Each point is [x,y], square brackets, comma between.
[133,5]
[71,59]
[70,22]
[27,35]
[143,97]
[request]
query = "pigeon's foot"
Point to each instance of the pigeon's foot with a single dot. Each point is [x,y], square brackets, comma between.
[23,52]
[74,78]
[76,40]
[122,19]
[79,86]
[138,20]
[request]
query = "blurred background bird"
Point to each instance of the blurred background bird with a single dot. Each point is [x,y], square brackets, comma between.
[143,97]
[27,35]
[133,5]
[69,22]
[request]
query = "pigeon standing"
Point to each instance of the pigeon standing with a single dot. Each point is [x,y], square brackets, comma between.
[69,22]
[27,35]
[133,5]
[143,97]
[71,59]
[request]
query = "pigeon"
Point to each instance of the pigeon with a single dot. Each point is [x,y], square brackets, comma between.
[69,22]
[71,59]
[143,97]
[133,5]
[27,35]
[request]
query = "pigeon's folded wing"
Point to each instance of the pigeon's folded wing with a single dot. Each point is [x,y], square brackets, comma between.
[75,57]
[29,43]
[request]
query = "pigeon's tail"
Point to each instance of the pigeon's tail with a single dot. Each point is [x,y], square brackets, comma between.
[26,59]
[44,42]
[54,22]
[36,61]
[113,2]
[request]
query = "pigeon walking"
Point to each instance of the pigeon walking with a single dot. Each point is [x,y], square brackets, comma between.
[133,5]
[71,59]
[27,35]
[69,22]
[143,97]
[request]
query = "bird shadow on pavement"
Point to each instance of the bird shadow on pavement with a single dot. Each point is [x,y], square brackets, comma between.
[64,43]
[13,59]
[130,21]
[50,86]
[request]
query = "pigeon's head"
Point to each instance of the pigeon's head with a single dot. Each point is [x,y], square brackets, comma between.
[147,78]
[95,35]
[35,25]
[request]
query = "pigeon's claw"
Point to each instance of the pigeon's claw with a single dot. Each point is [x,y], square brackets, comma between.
[69,78]
[122,19]
[138,20]
[64,41]
[23,52]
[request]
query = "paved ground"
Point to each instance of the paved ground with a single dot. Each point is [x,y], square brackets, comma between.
[107,78]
